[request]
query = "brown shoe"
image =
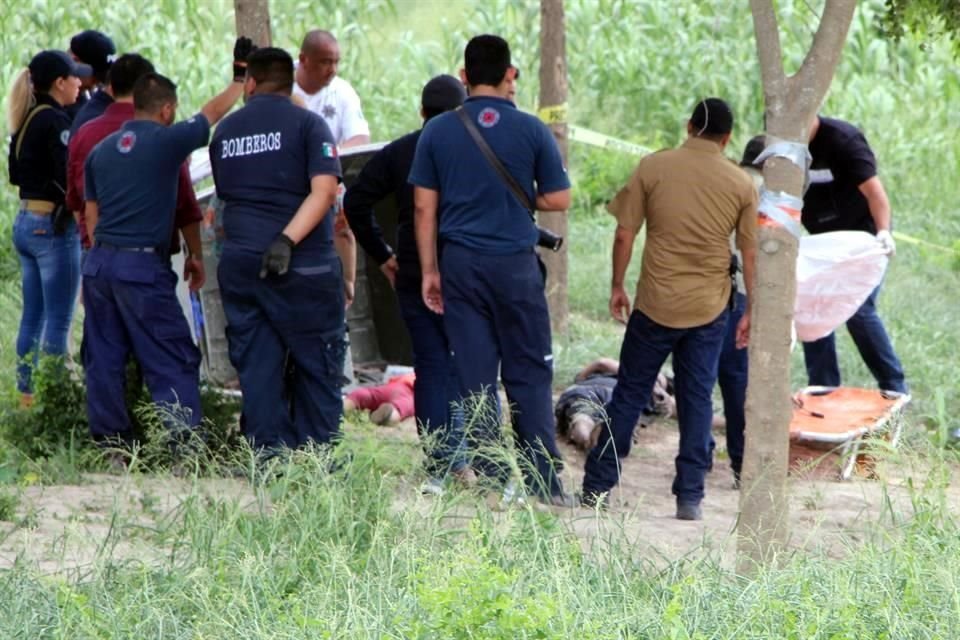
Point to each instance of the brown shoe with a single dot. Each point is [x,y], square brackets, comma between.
[465,477]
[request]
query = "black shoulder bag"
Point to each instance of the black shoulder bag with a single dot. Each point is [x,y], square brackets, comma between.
[545,238]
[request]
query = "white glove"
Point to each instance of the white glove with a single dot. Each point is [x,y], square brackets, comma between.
[886,241]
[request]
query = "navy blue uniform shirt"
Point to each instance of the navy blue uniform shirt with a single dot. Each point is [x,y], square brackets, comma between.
[385,174]
[132,175]
[92,108]
[263,158]
[477,210]
[842,161]
[41,171]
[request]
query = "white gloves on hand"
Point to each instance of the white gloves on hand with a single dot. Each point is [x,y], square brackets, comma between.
[886,241]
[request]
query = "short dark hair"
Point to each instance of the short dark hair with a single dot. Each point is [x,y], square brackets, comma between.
[125,71]
[486,60]
[151,91]
[272,68]
[712,118]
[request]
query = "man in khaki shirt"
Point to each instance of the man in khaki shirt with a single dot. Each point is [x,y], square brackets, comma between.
[691,199]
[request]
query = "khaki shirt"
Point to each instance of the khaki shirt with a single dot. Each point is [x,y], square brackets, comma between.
[691,198]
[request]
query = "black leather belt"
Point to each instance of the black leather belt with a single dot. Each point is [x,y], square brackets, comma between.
[115,247]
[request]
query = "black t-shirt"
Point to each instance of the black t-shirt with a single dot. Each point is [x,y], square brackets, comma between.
[842,161]
[385,174]
[41,169]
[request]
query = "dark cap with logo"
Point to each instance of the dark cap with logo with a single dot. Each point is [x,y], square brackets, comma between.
[47,66]
[94,48]
[443,93]
[712,116]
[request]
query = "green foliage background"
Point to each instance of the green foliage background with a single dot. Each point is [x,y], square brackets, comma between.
[323,556]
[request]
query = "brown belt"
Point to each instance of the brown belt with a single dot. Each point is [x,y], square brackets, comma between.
[40,207]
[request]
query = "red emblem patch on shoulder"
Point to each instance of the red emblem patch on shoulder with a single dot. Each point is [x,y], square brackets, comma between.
[489,117]
[126,141]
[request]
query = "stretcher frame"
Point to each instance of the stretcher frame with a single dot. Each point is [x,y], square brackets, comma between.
[889,425]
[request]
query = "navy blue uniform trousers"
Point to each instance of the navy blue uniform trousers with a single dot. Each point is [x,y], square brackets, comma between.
[495,313]
[300,313]
[732,378]
[645,348]
[130,305]
[436,389]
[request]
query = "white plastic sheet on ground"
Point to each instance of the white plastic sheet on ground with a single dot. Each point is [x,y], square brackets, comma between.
[836,272]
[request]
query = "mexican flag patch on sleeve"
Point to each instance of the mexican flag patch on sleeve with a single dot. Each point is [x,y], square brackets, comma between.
[329,150]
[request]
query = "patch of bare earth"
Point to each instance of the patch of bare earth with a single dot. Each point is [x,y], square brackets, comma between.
[64,528]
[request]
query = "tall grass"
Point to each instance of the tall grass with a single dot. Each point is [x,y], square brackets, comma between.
[340,556]
[316,555]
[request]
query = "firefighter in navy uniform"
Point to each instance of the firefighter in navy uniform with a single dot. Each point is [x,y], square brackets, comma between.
[276,169]
[488,283]
[128,286]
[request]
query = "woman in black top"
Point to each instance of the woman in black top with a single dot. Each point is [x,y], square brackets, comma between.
[44,232]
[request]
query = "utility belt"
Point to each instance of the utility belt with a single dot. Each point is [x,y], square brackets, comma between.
[162,252]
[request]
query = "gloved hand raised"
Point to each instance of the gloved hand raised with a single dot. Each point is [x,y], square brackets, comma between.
[276,259]
[242,48]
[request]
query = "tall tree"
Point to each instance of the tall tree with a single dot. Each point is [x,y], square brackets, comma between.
[791,104]
[553,109]
[253,20]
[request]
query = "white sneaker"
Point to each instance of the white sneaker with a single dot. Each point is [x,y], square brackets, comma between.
[513,495]
[432,487]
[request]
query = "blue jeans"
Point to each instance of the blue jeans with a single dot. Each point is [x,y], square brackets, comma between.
[873,343]
[436,388]
[646,346]
[50,266]
[732,378]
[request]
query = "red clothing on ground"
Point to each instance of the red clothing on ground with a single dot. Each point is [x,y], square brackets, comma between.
[83,142]
[398,392]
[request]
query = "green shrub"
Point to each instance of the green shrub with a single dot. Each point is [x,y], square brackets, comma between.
[56,427]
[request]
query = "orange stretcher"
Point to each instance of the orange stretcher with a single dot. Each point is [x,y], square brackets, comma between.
[843,416]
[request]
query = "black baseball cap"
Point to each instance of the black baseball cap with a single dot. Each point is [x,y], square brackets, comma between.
[712,116]
[93,48]
[47,66]
[443,93]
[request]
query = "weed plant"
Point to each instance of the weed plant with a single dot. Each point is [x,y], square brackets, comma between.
[351,554]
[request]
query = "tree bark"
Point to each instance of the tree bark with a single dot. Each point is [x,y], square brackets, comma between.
[253,20]
[791,104]
[553,103]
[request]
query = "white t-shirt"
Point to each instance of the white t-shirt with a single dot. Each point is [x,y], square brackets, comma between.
[339,105]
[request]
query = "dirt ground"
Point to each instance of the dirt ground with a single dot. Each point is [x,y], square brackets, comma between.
[62,528]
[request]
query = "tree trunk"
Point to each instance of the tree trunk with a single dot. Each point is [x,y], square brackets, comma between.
[553,108]
[791,104]
[253,20]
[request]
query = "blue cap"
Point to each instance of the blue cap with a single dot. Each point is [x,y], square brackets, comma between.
[49,65]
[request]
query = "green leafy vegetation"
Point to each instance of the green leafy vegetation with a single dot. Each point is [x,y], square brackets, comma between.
[355,553]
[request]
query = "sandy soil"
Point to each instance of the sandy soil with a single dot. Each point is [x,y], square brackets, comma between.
[64,528]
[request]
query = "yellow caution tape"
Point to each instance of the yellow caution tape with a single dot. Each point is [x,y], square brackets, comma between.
[556,114]
[923,243]
[597,139]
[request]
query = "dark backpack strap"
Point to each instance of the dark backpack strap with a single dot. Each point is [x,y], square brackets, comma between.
[26,123]
[511,182]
